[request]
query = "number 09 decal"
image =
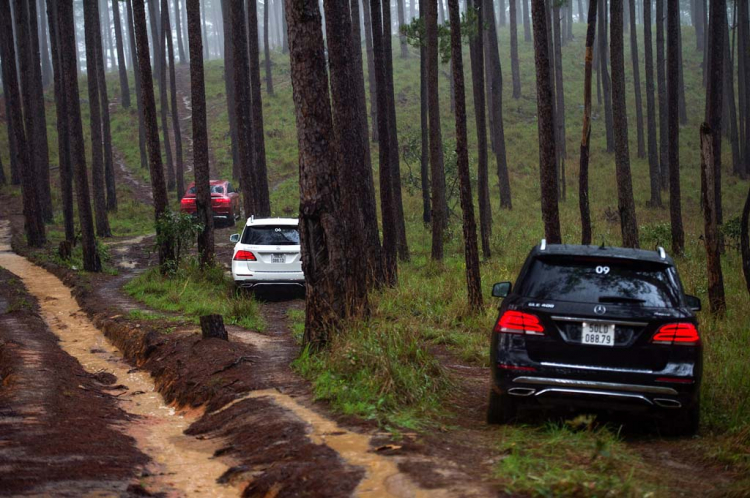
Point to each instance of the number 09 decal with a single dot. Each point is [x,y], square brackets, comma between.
[602,270]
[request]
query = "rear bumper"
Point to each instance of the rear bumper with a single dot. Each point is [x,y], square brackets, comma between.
[623,391]
[249,279]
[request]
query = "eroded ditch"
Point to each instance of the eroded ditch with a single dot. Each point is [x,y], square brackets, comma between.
[180,465]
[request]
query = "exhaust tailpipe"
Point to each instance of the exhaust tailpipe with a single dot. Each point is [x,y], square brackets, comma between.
[667,403]
[521,391]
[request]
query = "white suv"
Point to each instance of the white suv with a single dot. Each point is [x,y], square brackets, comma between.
[267,253]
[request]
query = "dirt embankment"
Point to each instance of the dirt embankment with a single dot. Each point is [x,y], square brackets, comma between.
[58,423]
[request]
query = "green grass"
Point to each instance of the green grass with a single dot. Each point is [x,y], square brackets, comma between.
[192,293]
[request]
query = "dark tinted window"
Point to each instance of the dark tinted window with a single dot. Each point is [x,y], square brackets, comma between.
[271,236]
[637,283]
[215,189]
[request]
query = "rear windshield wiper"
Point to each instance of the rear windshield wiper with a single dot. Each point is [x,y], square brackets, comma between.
[620,299]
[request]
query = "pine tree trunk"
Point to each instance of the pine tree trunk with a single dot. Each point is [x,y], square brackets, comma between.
[123,70]
[636,80]
[178,29]
[731,104]
[167,28]
[31,76]
[63,145]
[471,252]
[366,198]
[583,177]
[164,106]
[284,38]
[495,103]
[370,69]
[653,152]
[745,241]
[263,207]
[439,215]
[138,95]
[501,19]
[673,58]
[91,14]
[200,135]
[242,95]
[625,200]
[13,151]
[155,22]
[33,222]
[44,45]
[109,172]
[604,70]
[516,75]
[681,96]
[424,159]
[401,23]
[559,93]
[352,149]
[546,126]
[716,299]
[744,63]
[158,187]
[322,236]
[229,88]
[699,6]
[661,79]
[267,51]
[714,98]
[476,53]
[526,21]
[206,54]
[69,71]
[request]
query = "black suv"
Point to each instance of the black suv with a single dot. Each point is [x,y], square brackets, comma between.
[598,328]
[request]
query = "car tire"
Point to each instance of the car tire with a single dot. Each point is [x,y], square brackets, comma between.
[502,408]
[685,423]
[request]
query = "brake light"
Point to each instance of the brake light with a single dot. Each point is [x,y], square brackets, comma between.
[518,322]
[221,200]
[679,334]
[244,256]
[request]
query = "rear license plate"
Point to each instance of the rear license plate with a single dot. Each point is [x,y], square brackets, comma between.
[598,334]
[278,258]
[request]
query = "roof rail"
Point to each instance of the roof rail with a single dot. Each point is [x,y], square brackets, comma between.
[662,252]
[543,245]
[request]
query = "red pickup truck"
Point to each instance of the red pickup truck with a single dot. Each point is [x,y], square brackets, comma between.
[225,202]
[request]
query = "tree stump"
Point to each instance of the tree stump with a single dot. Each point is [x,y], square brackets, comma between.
[212,326]
[65,250]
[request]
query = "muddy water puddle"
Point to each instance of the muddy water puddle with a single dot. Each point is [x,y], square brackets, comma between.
[181,465]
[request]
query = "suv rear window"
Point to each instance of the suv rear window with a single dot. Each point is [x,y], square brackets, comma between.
[271,236]
[598,281]
[215,189]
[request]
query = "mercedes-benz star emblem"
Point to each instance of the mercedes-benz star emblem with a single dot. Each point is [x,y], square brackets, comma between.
[599,309]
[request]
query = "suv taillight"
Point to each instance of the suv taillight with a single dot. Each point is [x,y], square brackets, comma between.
[244,256]
[679,334]
[518,322]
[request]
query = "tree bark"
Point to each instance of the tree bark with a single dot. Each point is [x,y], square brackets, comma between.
[370,69]
[583,177]
[69,71]
[138,95]
[206,54]
[43,45]
[636,81]
[625,200]
[653,152]
[387,201]
[526,21]
[743,61]
[681,96]
[123,70]
[546,126]
[476,54]
[200,135]
[163,98]
[495,103]
[424,160]
[401,22]
[714,97]
[471,253]
[321,233]
[158,187]
[562,153]
[167,29]
[109,171]
[154,21]
[516,75]
[439,215]
[212,327]
[267,50]
[229,88]
[661,79]
[262,196]
[110,45]
[178,29]
[366,198]
[673,57]
[33,221]
[15,174]
[731,104]
[603,69]
[716,299]
[91,14]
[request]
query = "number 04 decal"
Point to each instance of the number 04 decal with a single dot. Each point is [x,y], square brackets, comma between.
[602,270]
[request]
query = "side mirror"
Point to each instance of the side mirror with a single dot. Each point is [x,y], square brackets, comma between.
[693,303]
[234,238]
[501,289]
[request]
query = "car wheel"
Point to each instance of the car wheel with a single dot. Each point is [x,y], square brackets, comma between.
[685,422]
[502,408]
